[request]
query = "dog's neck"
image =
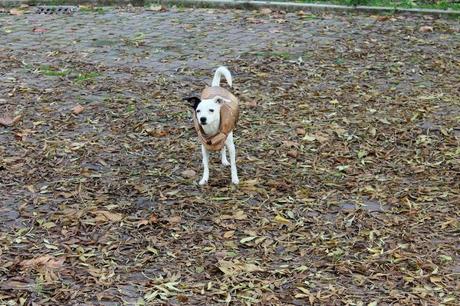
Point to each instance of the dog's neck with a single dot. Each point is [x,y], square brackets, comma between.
[212,128]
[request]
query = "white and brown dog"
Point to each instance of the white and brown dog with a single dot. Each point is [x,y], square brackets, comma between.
[215,116]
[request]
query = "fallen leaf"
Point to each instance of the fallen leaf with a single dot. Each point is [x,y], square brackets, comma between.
[281,219]
[78,109]
[229,234]
[6,120]
[252,104]
[425,29]
[249,267]
[293,153]
[290,144]
[383,18]
[104,216]
[265,11]
[309,138]
[16,12]
[334,102]
[247,239]
[142,222]
[240,215]
[153,218]
[175,220]
[189,173]
[300,131]
[157,8]
[46,261]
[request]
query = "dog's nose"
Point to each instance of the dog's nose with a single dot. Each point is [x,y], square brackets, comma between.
[203,120]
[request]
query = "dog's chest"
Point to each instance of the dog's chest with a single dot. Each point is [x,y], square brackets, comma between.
[211,129]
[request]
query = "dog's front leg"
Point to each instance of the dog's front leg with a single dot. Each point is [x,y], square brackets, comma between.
[232,152]
[205,154]
[224,157]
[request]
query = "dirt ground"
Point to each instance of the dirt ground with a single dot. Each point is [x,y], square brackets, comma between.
[348,151]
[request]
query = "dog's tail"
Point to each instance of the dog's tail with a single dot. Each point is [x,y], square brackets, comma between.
[222,71]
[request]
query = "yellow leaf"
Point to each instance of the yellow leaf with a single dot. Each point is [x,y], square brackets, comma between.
[309,138]
[240,215]
[282,220]
[247,239]
[335,101]
[229,234]
[251,268]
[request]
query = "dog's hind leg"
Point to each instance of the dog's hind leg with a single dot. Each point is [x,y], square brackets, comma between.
[205,154]
[232,152]
[223,153]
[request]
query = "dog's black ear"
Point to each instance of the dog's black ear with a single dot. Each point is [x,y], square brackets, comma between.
[194,101]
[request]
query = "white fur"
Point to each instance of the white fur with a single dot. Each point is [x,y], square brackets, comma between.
[221,71]
[230,145]
[212,127]
[209,110]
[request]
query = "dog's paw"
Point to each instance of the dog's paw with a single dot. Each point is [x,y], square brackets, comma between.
[226,163]
[203,181]
[235,181]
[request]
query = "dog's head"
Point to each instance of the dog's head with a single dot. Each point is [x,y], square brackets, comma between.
[207,110]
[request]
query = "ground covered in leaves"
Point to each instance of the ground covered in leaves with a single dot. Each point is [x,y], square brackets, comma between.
[348,156]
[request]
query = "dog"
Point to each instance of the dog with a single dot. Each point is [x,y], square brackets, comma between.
[215,115]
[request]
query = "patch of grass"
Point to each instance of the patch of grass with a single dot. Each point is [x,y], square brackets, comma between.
[50,71]
[440,5]
[87,77]
[92,9]
[137,40]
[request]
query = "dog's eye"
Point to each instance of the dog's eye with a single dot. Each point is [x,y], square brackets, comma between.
[198,111]
[211,111]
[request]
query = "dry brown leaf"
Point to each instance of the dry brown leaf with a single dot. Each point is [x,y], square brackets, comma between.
[78,109]
[104,216]
[45,261]
[252,104]
[290,144]
[293,153]
[240,215]
[6,120]
[425,29]
[142,222]
[265,11]
[175,220]
[189,173]
[16,12]
[383,18]
[300,131]
[153,218]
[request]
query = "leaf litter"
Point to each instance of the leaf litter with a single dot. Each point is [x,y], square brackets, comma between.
[348,152]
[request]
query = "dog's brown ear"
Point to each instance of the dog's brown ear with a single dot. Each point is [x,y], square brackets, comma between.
[194,101]
[220,100]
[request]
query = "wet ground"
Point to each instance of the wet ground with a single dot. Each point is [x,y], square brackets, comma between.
[348,155]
